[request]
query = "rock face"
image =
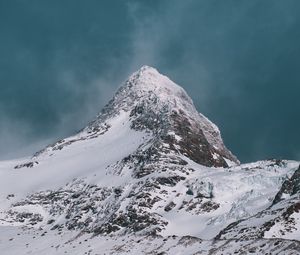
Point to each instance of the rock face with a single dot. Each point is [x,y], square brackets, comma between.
[289,188]
[154,175]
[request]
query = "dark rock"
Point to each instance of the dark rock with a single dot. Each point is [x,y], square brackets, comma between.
[170,206]
[290,186]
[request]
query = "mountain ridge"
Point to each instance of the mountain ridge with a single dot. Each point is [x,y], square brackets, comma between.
[150,167]
[159,105]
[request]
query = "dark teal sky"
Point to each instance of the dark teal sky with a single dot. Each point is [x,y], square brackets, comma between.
[60,62]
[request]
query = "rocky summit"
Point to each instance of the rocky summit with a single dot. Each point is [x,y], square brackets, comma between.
[149,175]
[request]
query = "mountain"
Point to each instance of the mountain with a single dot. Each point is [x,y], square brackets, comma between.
[149,175]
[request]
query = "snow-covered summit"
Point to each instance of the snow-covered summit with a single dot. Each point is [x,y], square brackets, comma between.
[148,83]
[162,107]
[148,80]
[150,102]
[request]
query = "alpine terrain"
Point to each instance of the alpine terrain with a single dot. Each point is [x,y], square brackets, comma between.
[149,175]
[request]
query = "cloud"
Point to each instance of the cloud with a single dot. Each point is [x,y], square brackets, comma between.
[16,138]
[233,59]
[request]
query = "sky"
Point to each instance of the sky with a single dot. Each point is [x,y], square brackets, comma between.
[62,60]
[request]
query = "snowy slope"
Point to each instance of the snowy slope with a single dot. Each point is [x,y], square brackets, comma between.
[149,174]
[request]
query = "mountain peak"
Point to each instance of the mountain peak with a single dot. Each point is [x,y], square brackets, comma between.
[146,68]
[158,105]
[151,103]
[146,71]
[149,79]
